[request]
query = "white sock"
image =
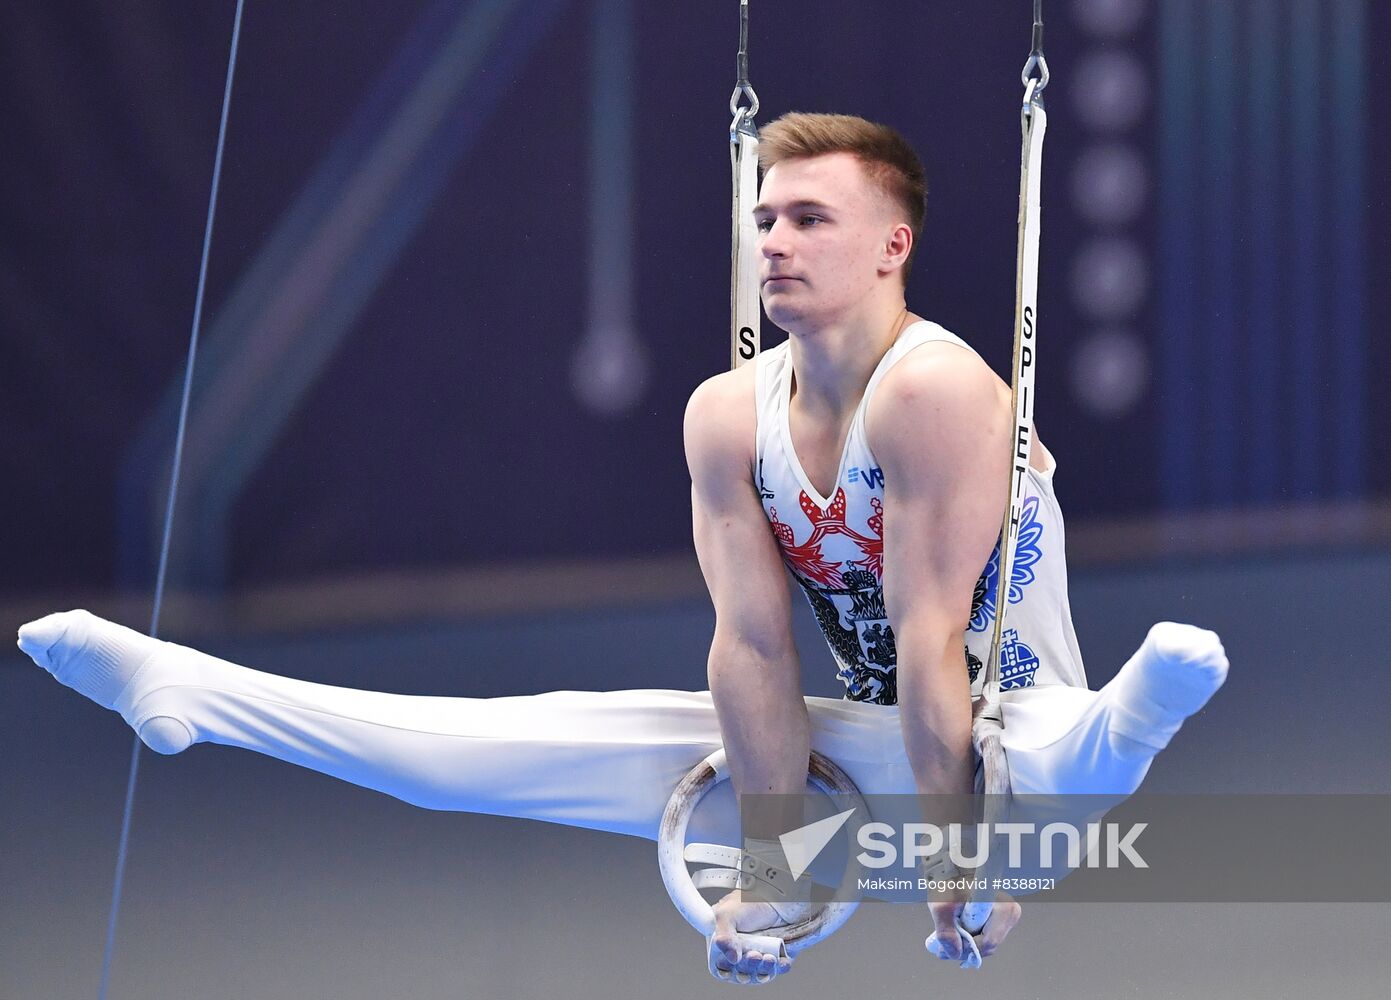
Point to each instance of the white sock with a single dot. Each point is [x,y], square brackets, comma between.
[109,663]
[1171,676]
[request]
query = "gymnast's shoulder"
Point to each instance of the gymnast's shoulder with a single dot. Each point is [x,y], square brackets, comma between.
[940,374]
[939,389]
[721,419]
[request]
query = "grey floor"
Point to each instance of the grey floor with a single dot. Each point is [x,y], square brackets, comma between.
[251,879]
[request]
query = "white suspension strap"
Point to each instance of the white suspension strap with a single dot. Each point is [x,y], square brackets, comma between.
[743,157]
[988,724]
[1034,123]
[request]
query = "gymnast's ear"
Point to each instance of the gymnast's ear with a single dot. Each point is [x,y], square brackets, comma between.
[897,248]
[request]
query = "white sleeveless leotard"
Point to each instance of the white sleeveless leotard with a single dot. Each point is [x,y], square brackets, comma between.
[834,548]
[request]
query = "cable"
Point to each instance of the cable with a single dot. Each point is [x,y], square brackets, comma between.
[129,810]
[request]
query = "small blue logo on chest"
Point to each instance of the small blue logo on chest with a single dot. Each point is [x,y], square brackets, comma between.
[871,477]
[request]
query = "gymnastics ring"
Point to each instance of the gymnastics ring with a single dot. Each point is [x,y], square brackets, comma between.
[825,776]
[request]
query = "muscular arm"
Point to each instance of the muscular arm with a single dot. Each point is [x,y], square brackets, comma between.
[939,425]
[754,672]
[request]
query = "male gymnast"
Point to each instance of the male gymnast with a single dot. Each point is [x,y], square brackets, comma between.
[879,447]
[875,445]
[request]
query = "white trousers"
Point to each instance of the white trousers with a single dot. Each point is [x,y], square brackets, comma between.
[605,760]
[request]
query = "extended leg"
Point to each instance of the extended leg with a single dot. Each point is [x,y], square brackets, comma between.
[601,760]
[1064,740]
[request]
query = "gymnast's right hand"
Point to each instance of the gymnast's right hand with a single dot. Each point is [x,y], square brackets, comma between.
[733,916]
[948,915]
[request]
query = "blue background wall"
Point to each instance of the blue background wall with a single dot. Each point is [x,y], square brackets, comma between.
[413,200]
[394,480]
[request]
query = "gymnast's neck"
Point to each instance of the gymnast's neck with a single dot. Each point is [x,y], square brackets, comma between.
[832,360]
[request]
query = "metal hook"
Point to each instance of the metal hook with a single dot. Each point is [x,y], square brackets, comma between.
[1036,69]
[1032,98]
[743,90]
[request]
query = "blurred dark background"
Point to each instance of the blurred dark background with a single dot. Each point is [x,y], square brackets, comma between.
[470,259]
[436,218]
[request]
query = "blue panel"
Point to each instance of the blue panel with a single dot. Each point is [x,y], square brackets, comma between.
[1217,146]
[1349,187]
[1265,327]
[1306,314]
[1177,227]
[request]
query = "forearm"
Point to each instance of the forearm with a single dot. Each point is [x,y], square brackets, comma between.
[934,697]
[763,717]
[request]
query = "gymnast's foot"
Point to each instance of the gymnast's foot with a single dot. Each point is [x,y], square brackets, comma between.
[1171,676]
[109,663]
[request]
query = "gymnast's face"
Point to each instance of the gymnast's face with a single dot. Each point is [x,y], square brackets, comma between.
[831,242]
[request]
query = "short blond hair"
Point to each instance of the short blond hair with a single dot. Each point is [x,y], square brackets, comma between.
[887,158]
